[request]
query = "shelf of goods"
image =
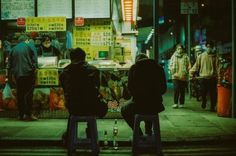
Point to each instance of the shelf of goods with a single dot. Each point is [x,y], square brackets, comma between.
[48,97]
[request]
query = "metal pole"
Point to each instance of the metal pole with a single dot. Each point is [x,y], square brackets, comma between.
[189,47]
[156,28]
[233,63]
[189,34]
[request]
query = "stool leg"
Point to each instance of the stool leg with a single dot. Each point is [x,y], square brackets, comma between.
[72,136]
[136,134]
[94,137]
[157,134]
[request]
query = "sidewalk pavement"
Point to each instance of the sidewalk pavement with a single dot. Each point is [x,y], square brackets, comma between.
[190,124]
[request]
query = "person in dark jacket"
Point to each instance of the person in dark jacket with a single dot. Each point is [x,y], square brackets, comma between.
[47,49]
[23,64]
[80,82]
[146,84]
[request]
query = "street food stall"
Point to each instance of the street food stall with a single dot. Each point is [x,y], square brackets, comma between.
[96,28]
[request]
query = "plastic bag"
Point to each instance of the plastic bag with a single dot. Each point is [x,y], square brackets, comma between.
[7,93]
[9,101]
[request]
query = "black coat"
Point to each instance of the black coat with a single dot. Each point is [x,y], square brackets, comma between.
[147,84]
[80,82]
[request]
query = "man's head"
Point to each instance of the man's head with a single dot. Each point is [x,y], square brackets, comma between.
[209,47]
[23,38]
[140,56]
[77,54]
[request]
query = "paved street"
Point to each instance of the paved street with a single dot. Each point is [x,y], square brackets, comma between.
[185,128]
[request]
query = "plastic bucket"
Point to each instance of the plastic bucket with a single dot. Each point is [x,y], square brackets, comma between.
[224,101]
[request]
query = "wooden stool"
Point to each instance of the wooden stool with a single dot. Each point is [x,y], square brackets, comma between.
[80,143]
[142,142]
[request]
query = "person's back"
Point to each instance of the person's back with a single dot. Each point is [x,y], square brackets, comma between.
[80,82]
[80,90]
[147,84]
[23,59]
[23,63]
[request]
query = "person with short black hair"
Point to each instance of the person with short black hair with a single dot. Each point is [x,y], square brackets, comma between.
[146,84]
[80,82]
[23,64]
[207,67]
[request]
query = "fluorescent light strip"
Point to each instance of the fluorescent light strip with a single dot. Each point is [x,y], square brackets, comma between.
[127,8]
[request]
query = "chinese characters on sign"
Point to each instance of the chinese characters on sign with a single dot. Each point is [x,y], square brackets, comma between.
[13,9]
[94,36]
[47,77]
[45,24]
[189,7]
[96,33]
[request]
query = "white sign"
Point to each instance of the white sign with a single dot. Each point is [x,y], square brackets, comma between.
[189,7]
[13,9]
[52,8]
[92,8]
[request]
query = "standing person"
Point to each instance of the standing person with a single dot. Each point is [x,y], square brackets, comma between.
[47,49]
[206,65]
[23,64]
[80,82]
[179,68]
[146,84]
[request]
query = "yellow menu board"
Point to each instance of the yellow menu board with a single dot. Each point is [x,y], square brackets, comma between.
[93,37]
[45,24]
[47,77]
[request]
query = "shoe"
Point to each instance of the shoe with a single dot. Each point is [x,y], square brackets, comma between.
[181,106]
[30,118]
[213,109]
[175,106]
[203,105]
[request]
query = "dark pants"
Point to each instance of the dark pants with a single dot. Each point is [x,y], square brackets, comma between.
[209,86]
[128,112]
[179,91]
[25,89]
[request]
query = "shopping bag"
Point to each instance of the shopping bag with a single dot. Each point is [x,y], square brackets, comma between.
[9,98]
[7,92]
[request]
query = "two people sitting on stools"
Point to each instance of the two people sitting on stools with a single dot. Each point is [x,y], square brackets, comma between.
[146,83]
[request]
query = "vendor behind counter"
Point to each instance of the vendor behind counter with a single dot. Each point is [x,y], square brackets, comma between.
[47,49]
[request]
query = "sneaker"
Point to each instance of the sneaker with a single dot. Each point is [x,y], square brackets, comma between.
[30,118]
[175,106]
[181,106]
